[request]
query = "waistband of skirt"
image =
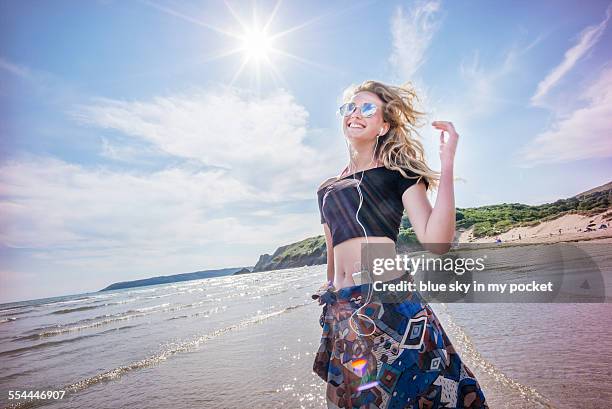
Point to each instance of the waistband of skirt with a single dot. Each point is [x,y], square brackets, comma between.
[348,294]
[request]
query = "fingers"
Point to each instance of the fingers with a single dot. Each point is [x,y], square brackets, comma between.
[445,126]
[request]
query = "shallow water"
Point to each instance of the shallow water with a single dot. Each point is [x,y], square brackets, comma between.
[248,341]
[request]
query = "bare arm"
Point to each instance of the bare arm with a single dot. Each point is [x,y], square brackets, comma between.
[435,228]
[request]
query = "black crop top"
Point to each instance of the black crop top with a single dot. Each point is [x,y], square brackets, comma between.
[382,208]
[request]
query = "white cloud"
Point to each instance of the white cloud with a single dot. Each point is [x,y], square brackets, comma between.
[129,152]
[122,225]
[217,129]
[587,39]
[484,84]
[487,87]
[50,203]
[582,134]
[15,69]
[261,140]
[412,35]
[482,92]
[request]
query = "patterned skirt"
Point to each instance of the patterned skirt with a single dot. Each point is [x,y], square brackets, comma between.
[403,361]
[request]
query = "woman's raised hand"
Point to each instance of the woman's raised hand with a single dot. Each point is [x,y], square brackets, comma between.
[447,148]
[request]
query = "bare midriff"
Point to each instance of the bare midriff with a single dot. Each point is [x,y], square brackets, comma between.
[347,260]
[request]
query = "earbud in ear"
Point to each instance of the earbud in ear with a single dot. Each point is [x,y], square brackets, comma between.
[381,131]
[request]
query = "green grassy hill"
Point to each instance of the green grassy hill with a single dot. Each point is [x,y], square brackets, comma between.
[495,219]
[307,252]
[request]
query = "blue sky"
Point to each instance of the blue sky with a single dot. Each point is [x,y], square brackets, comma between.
[135,143]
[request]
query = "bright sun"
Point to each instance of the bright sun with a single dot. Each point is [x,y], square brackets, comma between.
[255,42]
[256,45]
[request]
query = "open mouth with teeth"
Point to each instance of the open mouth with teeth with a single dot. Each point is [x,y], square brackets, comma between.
[355,125]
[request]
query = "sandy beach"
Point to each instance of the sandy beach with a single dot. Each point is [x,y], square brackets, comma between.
[569,227]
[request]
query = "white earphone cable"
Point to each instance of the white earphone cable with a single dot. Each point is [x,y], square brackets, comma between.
[370,287]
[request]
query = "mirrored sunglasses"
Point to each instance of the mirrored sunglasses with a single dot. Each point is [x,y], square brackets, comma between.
[368,109]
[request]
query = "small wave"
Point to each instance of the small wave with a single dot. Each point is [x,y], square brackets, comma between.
[63,302]
[153,308]
[12,308]
[8,319]
[84,308]
[90,307]
[206,314]
[73,328]
[43,345]
[177,318]
[152,297]
[16,312]
[107,319]
[9,310]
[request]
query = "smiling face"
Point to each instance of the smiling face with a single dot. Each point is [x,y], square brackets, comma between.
[356,127]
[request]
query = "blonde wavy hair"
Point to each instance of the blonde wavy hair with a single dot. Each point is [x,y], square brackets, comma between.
[399,148]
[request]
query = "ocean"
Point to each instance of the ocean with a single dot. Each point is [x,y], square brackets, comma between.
[248,341]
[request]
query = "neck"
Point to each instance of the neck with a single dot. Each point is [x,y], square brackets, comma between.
[362,157]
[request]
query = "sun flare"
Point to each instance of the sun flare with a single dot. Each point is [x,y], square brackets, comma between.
[256,44]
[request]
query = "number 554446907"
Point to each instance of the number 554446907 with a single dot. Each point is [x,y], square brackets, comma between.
[17,395]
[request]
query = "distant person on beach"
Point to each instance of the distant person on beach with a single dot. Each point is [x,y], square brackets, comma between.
[374,354]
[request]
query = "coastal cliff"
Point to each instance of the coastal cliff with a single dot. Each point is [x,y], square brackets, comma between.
[307,252]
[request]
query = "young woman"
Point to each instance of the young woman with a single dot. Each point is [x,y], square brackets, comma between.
[375,353]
